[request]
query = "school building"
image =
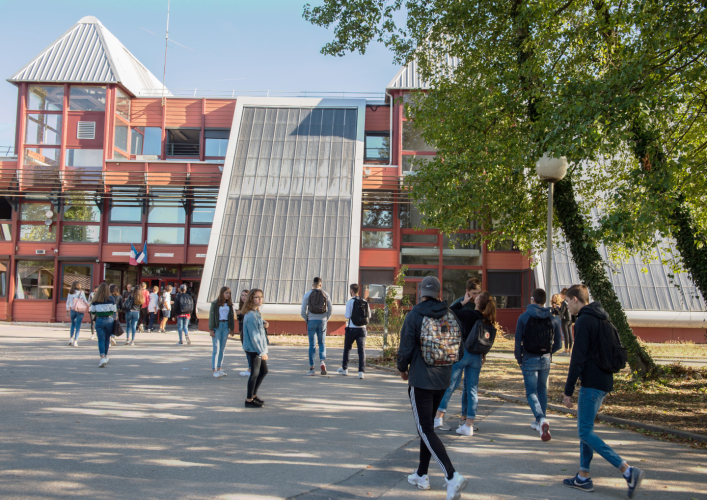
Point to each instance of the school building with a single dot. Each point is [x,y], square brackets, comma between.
[250,191]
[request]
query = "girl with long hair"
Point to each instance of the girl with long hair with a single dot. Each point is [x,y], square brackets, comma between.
[136,299]
[470,363]
[221,323]
[166,306]
[118,299]
[239,316]
[76,307]
[255,345]
[104,308]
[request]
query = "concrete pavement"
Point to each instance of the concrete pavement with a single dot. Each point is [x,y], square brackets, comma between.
[155,424]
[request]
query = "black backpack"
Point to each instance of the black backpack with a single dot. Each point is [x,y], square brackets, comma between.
[611,356]
[359,312]
[481,338]
[317,302]
[185,303]
[538,335]
[128,303]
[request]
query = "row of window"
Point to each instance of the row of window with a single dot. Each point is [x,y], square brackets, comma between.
[81,98]
[116,234]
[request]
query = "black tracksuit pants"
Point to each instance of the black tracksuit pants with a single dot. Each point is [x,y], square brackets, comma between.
[424,407]
[258,370]
[357,335]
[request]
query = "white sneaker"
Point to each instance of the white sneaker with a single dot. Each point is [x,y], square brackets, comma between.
[455,486]
[216,374]
[465,430]
[188,340]
[245,374]
[341,371]
[439,422]
[112,341]
[421,482]
[223,373]
[76,343]
[311,372]
[132,342]
[93,337]
[107,359]
[71,341]
[535,426]
[544,429]
[360,374]
[127,342]
[103,362]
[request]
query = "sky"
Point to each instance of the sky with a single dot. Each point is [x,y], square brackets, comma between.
[235,44]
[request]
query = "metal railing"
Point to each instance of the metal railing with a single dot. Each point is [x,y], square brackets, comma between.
[7,151]
[232,94]
[177,149]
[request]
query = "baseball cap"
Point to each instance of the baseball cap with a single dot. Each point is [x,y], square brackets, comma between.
[430,287]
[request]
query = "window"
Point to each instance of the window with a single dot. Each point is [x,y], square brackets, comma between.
[87,98]
[506,287]
[5,215]
[37,232]
[42,158]
[5,232]
[377,239]
[36,212]
[146,141]
[506,245]
[160,271]
[84,158]
[122,105]
[192,271]
[377,146]
[419,238]
[165,210]
[35,279]
[454,283]
[80,233]
[46,97]
[199,235]
[412,138]
[410,218]
[126,206]
[420,273]
[216,142]
[117,155]
[411,163]
[466,251]
[43,129]
[3,279]
[80,207]
[121,135]
[124,234]
[81,273]
[165,235]
[204,205]
[373,283]
[183,142]
[426,256]
[377,215]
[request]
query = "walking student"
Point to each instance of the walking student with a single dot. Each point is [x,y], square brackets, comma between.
[145,304]
[239,316]
[358,313]
[221,323]
[255,344]
[566,321]
[427,383]
[316,311]
[166,306]
[595,337]
[538,336]
[104,308]
[118,299]
[184,306]
[92,316]
[76,307]
[153,307]
[470,362]
[132,305]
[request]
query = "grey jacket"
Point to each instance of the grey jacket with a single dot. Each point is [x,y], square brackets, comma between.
[308,315]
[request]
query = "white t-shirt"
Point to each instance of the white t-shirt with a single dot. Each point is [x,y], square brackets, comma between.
[71,299]
[166,301]
[223,312]
[349,312]
[152,305]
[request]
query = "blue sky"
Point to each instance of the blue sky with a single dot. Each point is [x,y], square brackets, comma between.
[241,45]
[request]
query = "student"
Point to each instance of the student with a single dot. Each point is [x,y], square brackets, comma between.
[145,304]
[239,316]
[183,307]
[255,345]
[566,321]
[122,312]
[133,305]
[152,306]
[357,311]
[166,306]
[76,307]
[128,291]
[104,308]
[220,324]
[473,288]
[470,363]
[593,325]
[316,311]
[538,336]
[118,299]
[426,387]
[92,316]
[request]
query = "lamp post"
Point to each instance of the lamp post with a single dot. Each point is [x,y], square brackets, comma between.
[550,170]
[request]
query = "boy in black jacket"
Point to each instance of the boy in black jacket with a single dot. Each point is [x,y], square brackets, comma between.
[595,384]
[426,387]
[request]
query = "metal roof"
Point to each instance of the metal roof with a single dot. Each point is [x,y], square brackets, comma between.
[408,77]
[89,53]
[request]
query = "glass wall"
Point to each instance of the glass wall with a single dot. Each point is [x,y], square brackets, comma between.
[76,272]
[84,158]
[87,98]
[215,142]
[165,235]
[199,235]
[46,98]
[124,234]
[125,205]
[121,135]
[35,279]
[43,129]
[37,232]
[412,138]
[146,141]
[80,234]
[122,105]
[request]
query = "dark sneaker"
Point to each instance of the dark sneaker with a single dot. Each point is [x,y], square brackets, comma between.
[634,480]
[576,482]
[258,400]
[253,404]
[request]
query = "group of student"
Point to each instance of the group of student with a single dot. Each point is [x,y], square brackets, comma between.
[439,342]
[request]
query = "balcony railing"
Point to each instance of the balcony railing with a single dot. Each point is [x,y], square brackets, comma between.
[7,152]
[178,149]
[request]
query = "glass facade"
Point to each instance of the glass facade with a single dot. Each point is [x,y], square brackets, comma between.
[199,235]
[80,233]
[35,279]
[43,129]
[87,98]
[165,235]
[124,234]
[46,98]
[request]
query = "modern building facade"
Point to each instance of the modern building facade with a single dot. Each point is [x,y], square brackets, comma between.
[243,191]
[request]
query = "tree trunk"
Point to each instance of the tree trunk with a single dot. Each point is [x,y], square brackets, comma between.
[593,274]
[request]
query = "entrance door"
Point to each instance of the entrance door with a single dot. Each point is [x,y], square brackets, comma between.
[161,284]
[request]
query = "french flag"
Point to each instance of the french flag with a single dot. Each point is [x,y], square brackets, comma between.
[133,255]
[142,258]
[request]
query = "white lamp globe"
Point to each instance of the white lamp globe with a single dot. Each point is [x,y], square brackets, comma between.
[551,169]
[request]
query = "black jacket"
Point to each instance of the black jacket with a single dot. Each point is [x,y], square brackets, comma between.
[590,320]
[467,318]
[421,375]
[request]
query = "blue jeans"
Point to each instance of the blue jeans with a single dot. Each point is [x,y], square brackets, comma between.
[316,327]
[104,329]
[76,319]
[183,326]
[536,371]
[470,365]
[588,405]
[219,342]
[131,319]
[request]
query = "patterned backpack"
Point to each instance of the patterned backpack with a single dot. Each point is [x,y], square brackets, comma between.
[440,339]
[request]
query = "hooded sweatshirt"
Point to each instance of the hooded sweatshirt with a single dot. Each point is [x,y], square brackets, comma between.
[421,375]
[590,320]
[536,311]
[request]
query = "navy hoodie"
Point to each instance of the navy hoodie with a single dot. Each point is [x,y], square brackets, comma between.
[536,311]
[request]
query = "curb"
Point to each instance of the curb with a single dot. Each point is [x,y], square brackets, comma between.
[600,417]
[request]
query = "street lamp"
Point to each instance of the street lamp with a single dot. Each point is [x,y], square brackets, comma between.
[551,170]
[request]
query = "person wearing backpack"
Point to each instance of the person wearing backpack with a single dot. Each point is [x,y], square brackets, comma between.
[358,313]
[538,336]
[76,307]
[478,335]
[183,307]
[596,356]
[429,345]
[316,311]
[132,305]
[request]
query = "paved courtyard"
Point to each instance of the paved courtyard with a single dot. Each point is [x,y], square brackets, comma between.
[155,424]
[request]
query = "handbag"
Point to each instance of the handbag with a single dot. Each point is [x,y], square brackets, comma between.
[117,329]
[80,305]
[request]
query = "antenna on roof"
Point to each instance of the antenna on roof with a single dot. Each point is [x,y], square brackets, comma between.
[166,44]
